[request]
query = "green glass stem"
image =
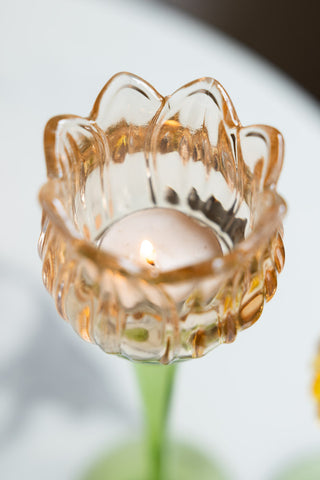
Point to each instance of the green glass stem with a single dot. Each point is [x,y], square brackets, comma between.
[156,385]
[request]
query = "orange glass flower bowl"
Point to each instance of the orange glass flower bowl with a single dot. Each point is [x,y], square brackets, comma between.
[186,152]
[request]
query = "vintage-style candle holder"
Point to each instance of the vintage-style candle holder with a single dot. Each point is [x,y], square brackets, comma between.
[185,153]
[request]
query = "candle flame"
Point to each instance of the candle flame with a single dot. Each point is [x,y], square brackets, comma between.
[147,252]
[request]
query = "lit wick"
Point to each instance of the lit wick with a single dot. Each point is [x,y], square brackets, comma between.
[147,252]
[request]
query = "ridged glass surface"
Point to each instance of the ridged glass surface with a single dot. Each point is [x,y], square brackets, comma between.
[138,150]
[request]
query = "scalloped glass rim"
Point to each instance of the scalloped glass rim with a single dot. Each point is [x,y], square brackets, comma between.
[272,207]
[272,213]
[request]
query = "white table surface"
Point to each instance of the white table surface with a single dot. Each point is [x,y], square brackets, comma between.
[63,401]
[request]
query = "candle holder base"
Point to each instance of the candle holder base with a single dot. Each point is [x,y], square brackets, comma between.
[129,462]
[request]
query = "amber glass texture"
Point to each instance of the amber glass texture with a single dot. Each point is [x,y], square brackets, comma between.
[139,150]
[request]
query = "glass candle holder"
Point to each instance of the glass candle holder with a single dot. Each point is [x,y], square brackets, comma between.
[162,227]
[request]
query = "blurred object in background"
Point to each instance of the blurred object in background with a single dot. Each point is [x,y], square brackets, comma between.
[316,381]
[285,32]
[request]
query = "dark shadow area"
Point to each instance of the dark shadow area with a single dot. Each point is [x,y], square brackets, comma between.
[286,32]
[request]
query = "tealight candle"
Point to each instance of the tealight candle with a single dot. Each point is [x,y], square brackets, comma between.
[161,238]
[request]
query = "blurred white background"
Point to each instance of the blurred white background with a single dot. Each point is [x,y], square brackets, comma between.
[62,402]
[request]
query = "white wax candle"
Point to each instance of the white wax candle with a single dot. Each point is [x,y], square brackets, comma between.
[161,238]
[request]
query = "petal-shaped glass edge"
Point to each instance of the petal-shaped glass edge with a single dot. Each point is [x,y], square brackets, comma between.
[115,86]
[199,106]
[58,142]
[272,207]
